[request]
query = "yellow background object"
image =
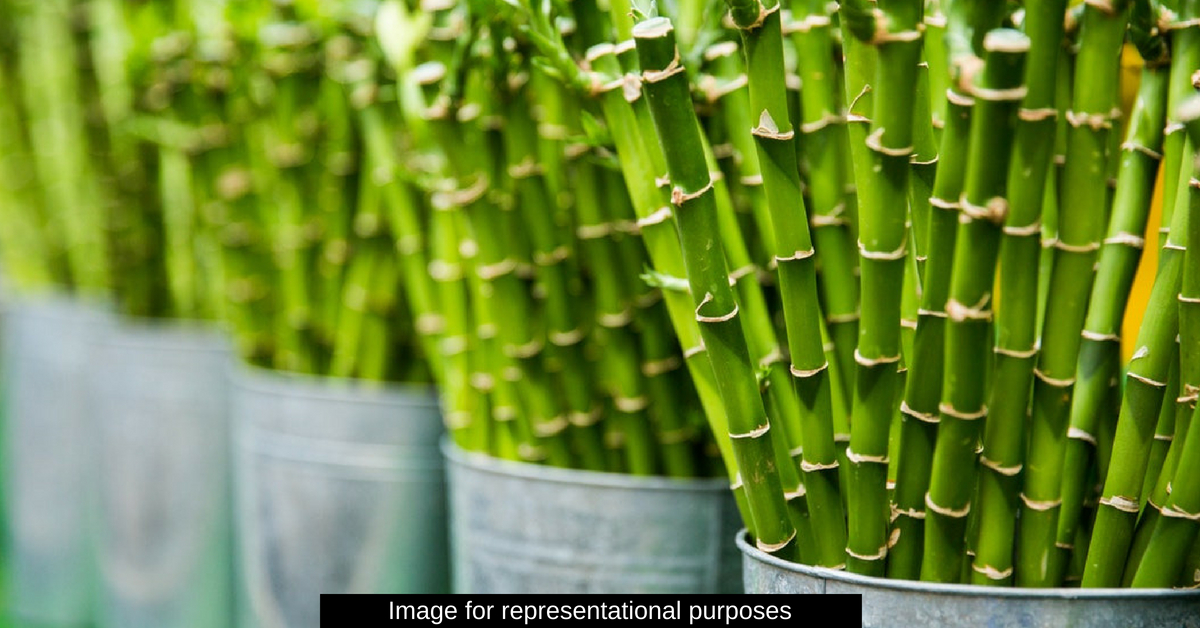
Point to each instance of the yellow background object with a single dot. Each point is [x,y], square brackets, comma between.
[1131,65]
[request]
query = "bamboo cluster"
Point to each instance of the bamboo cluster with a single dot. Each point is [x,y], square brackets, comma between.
[870,259]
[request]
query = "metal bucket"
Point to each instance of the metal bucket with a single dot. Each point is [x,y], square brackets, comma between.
[339,488]
[164,526]
[49,456]
[905,603]
[524,528]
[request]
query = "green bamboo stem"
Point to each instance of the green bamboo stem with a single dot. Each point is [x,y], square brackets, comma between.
[998,91]
[1080,228]
[1185,57]
[893,31]
[1099,353]
[1157,481]
[1177,527]
[662,243]
[1016,321]
[922,394]
[667,91]
[1145,385]
[822,124]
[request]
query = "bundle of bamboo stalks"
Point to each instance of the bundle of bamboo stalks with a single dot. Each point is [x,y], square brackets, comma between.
[952,413]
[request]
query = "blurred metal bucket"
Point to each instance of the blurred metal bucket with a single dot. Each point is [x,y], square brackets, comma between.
[164,523]
[49,461]
[339,488]
[905,603]
[524,528]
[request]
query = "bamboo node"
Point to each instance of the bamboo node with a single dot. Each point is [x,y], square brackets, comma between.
[800,491]
[768,129]
[1166,438]
[991,573]
[848,317]
[550,427]
[511,374]
[1134,146]
[629,405]
[871,362]
[875,143]
[857,458]
[531,453]
[810,21]
[654,368]
[693,351]
[796,452]
[483,382]
[1183,299]
[553,257]
[429,323]
[1037,115]
[504,413]
[841,437]
[490,272]
[679,197]
[594,232]
[663,214]
[566,338]
[751,180]
[524,351]
[719,50]
[673,68]
[1076,248]
[1146,380]
[1128,239]
[924,417]
[586,419]
[911,513]
[796,256]
[885,256]
[879,555]
[771,358]
[958,98]
[992,94]
[1080,434]
[737,274]
[737,482]
[908,323]
[884,36]
[754,433]
[771,548]
[453,199]
[457,420]
[721,318]
[949,410]
[959,312]
[1010,470]
[946,511]
[614,320]
[802,373]
[1096,121]
[1122,503]
[1053,381]
[933,313]
[994,210]
[1099,336]
[810,467]
[1032,229]
[715,89]
[1175,512]
[629,227]
[825,120]
[1020,354]
[1173,127]
[1194,182]
[453,345]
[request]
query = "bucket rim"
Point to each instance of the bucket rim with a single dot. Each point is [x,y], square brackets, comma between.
[59,304]
[252,378]
[558,475]
[750,552]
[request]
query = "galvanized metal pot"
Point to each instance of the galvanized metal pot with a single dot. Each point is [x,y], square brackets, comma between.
[49,461]
[905,603]
[525,528]
[339,488]
[164,528]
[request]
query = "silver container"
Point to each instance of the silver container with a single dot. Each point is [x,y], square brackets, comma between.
[339,488]
[49,461]
[905,603]
[524,528]
[164,528]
